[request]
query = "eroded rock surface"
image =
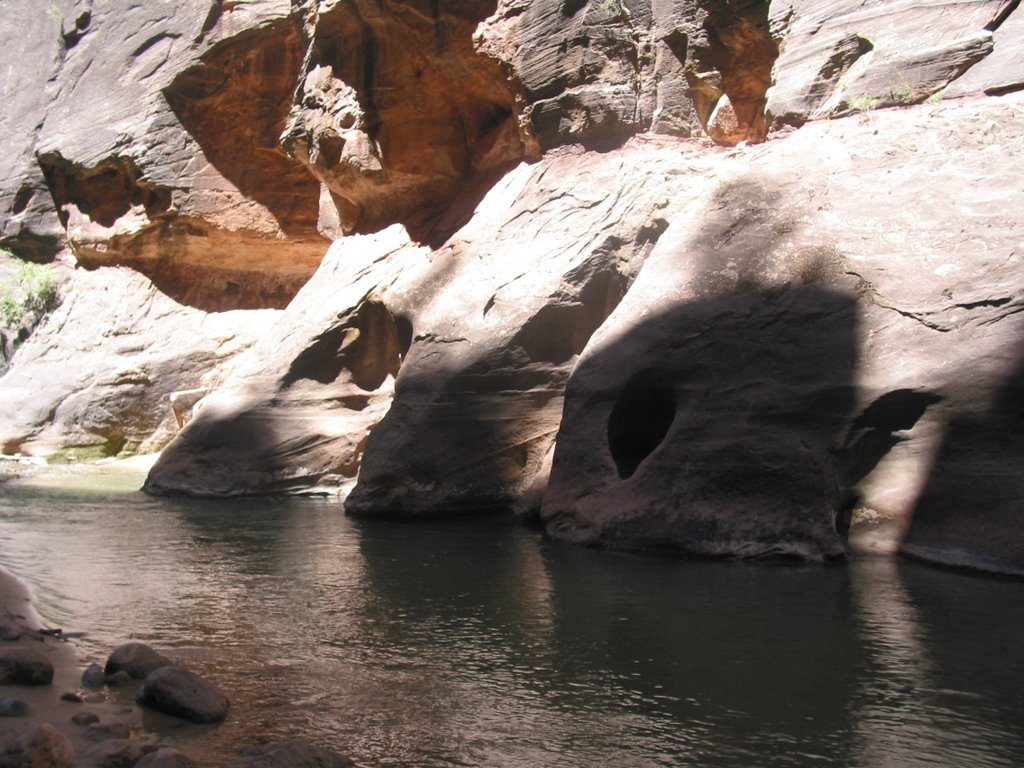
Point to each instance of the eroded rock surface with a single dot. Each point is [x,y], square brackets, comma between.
[749,352]
[126,148]
[597,72]
[793,354]
[399,111]
[868,55]
[96,375]
[497,318]
[300,404]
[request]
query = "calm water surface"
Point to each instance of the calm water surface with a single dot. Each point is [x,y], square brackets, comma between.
[478,643]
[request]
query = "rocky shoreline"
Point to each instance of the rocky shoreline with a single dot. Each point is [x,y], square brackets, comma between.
[55,714]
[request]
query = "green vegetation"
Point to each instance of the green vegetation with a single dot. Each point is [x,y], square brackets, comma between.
[903,93]
[30,295]
[862,103]
[116,445]
[77,454]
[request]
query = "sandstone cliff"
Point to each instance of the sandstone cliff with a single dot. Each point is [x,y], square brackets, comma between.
[691,276]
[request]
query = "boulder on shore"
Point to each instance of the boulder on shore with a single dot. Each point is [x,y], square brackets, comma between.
[37,745]
[23,666]
[184,694]
[137,659]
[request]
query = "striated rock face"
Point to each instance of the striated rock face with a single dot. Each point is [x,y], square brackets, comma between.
[27,219]
[129,136]
[596,71]
[866,55]
[497,319]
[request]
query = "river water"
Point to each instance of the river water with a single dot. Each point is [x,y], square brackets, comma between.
[476,642]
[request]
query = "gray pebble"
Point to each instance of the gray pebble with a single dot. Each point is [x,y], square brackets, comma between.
[13,708]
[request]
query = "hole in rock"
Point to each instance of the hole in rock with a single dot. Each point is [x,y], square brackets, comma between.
[105,192]
[72,36]
[403,329]
[640,419]
[116,441]
[731,58]
[366,345]
[22,198]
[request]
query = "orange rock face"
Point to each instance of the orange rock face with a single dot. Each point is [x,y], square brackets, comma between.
[399,114]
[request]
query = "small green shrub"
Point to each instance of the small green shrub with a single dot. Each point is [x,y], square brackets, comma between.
[862,103]
[903,93]
[32,294]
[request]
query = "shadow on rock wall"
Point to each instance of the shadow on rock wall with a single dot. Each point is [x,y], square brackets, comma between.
[707,428]
[245,441]
[969,513]
[461,440]
[719,411]
[706,425]
[234,104]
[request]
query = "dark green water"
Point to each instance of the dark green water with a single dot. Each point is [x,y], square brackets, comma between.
[478,643]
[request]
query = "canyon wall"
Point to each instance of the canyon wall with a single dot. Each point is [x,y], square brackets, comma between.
[688,276]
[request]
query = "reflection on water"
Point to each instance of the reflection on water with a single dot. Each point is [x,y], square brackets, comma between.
[467,642]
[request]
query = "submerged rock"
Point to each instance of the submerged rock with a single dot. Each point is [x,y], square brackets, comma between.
[94,677]
[119,752]
[85,718]
[166,758]
[178,692]
[135,659]
[291,754]
[119,679]
[104,731]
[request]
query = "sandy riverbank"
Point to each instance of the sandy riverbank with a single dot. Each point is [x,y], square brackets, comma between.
[113,706]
